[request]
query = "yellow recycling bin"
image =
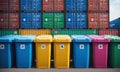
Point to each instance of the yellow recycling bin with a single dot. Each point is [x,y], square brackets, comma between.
[62,51]
[43,51]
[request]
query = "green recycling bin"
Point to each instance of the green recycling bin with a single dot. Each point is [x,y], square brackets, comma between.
[114,51]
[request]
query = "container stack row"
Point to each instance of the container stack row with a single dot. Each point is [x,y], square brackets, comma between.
[98,14]
[57,15]
[60,51]
[9,14]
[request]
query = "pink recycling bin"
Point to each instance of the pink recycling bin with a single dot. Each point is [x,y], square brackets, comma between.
[100,51]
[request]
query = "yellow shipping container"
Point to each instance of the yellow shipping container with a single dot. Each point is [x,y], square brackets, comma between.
[62,51]
[35,32]
[43,51]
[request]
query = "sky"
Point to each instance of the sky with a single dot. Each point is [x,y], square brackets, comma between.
[114,9]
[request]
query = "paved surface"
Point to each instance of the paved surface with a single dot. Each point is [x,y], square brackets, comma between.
[60,70]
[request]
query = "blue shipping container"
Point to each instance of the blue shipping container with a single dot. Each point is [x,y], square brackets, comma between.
[115,24]
[31,5]
[76,5]
[81,51]
[76,20]
[6,51]
[24,47]
[30,20]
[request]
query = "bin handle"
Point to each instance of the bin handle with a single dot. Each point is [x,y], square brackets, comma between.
[83,38]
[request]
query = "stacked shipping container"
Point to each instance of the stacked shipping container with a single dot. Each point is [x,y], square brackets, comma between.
[109,32]
[76,20]
[53,16]
[76,16]
[30,20]
[9,16]
[31,5]
[98,14]
[30,16]
[53,5]
[9,20]
[98,5]
[9,5]
[36,14]
[98,20]
[53,20]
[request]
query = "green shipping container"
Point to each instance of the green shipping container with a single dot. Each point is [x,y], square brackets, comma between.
[74,32]
[48,20]
[9,32]
[53,20]
[114,51]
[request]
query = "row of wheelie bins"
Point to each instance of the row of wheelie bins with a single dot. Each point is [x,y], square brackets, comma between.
[88,51]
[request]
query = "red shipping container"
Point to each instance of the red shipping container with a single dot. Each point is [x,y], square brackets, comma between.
[108,32]
[48,5]
[98,20]
[13,20]
[119,32]
[11,5]
[4,5]
[9,20]
[14,5]
[58,5]
[53,5]
[4,20]
[98,5]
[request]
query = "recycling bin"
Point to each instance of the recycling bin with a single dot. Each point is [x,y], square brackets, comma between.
[62,51]
[81,51]
[43,51]
[6,51]
[24,47]
[114,51]
[100,51]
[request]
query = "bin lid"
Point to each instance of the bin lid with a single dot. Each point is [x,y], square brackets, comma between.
[95,36]
[80,38]
[7,38]
[44,38]
[99,39]
[62,38]
[113,38]
[25,38]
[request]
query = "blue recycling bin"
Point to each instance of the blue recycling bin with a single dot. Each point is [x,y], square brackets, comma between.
[24,47]
[81,51]
[6,51]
